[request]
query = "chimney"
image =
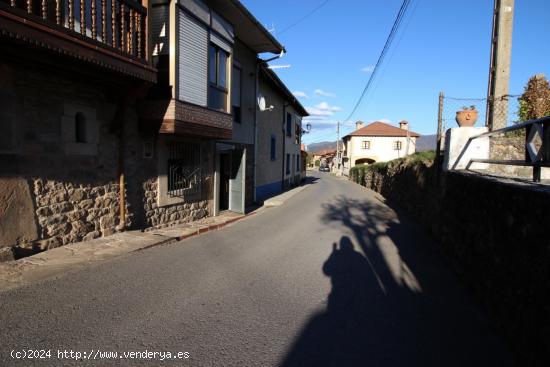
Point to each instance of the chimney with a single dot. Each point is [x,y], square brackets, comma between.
[359,125]
[404,125]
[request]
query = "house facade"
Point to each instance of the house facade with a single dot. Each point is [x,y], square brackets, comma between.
[124,116]
[205,101]
[279,137]
[377,142]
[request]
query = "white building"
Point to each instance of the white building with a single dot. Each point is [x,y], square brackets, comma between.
[377,142]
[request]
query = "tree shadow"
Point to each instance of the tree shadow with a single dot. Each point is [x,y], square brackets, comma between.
[393,301]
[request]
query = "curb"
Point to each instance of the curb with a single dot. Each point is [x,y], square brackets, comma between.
[199,231]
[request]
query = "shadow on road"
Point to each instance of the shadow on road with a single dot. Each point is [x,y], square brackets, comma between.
[393,302]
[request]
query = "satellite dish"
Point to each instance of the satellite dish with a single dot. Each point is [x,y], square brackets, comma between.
[261,102]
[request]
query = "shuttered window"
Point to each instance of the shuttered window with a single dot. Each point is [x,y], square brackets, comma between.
[193,60]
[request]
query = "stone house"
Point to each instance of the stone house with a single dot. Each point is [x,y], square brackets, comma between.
[279,137]
[107,125]
[377,142]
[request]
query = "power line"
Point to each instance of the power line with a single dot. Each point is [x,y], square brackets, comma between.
[396,24]
[304,17]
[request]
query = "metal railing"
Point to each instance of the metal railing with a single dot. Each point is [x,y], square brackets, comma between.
[536,157]
[120,24]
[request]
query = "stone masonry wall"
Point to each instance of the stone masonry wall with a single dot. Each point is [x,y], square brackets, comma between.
[68,212]
[495,233]
[166,216]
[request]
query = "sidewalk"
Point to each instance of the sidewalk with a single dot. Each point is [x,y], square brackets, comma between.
[52,263]
[55,262]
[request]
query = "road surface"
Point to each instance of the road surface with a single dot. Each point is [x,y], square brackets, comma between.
[333,277]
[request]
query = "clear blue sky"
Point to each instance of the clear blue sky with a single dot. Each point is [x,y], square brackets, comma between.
[442,45]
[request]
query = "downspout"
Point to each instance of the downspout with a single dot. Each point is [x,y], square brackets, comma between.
[285,104]
[117,127]
[256,93]
[121,180]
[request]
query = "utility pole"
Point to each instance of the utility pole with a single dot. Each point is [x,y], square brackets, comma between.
[499,71]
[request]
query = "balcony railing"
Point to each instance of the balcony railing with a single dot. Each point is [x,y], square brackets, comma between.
[117,24]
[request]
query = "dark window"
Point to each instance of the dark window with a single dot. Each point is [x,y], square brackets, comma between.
[397,145]
[80,127]
[212,62]
[222,68]
[288,164]
[236,94]
[273,148]
[217,77]
[288,124]
[297,130]
[298,163]
[365,144]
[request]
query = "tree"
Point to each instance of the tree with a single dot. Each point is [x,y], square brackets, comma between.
[534,103]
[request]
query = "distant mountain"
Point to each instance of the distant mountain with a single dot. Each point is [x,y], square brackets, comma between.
[315,147]
[426,142]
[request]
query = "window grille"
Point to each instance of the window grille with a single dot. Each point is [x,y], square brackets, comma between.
[184,169]
[397,145]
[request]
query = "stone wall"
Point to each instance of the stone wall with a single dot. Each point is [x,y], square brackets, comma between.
[495,233]
[68,212]
[56,190]
[165,216]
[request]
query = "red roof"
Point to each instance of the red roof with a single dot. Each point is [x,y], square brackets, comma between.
[382,129]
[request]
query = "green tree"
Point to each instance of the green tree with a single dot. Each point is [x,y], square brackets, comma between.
[534,103]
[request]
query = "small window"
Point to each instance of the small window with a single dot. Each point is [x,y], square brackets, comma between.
[297,130]
[273,148]
[80,128]
[288,163]
[288,124]
[298,163]
[365,144]
[236,95]
[397,145]
[148,149]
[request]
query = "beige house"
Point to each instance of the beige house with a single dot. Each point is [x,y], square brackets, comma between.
[377,142]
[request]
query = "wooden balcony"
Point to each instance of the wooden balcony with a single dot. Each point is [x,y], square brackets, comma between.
[111,34]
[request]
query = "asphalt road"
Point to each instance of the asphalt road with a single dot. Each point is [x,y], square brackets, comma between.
[333,277]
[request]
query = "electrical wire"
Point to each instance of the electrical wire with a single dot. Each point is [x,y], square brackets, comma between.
[396,24]
[304,17]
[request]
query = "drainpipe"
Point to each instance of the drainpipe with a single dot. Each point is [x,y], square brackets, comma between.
[117,127]
[121,179]
[285,104]
[256,93]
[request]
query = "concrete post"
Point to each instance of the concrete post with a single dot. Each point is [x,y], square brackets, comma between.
[499,72]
